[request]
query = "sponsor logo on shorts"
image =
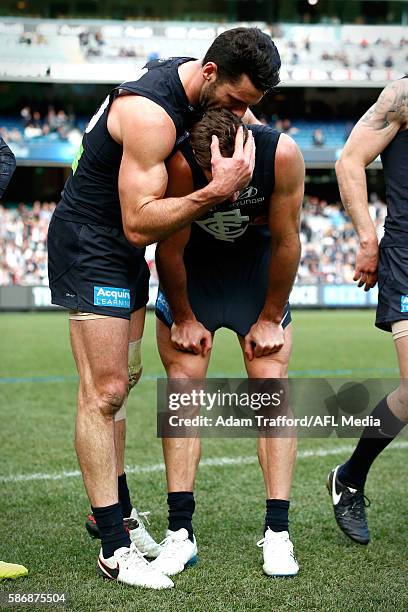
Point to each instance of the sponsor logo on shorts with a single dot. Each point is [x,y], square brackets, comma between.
[162,306]
[113,297]
[404,303]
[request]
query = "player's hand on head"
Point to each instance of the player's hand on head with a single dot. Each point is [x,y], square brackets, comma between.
[264,338]
[367,266]
[191,336]
[231,174]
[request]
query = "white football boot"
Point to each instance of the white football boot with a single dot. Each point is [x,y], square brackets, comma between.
[129,566]
[178,552]
[139,534]
[279,559]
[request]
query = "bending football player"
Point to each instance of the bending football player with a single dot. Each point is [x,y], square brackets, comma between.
[233,267]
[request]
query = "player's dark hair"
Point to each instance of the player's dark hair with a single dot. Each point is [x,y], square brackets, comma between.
[223,124]
[246,51]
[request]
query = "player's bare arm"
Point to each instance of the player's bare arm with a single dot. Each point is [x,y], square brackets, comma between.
[266,335]
[371,135]
[148,135]
[187,334]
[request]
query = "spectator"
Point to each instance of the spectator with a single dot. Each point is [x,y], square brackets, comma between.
[388,62]
[371,62]
[318,138]
[26,115]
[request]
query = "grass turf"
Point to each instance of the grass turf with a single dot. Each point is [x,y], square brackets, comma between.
[41,521]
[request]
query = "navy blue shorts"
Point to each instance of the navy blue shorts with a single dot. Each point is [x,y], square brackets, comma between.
[93,268]
[225,292]
[392,287]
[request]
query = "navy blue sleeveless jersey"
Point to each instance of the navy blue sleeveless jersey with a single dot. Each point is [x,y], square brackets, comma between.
[234,227]
[227,257]
[395,164]
[91,192]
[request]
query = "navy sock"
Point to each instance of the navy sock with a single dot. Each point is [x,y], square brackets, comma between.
[372,442]
[277,515]
[110,524]
[124,496]
[181,509]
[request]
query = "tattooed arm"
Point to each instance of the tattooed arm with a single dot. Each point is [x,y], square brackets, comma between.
[369,138]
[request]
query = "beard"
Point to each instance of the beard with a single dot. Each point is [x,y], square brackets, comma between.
[208,98]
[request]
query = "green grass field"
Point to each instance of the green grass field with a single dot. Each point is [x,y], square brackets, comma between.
[43,503]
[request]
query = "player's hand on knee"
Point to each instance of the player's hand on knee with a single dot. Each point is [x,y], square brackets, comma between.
[367,265]
[264,338]
[231,174]
[192,337]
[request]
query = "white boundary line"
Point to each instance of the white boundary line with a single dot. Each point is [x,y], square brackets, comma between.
[212,462]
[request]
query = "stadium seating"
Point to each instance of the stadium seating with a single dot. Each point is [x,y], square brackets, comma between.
[52,147]
[310,53]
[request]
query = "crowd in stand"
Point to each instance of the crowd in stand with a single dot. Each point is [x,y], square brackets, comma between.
[58,125]
[94,45]
[329,243]
[55,124]
[364,55]
[23,243]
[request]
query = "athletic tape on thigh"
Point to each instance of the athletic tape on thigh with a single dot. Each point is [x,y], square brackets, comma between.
[75,315]
[399,329]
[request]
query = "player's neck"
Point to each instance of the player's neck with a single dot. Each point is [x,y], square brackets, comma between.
[192,80]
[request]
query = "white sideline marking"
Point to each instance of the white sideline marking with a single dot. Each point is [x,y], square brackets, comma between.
[214,462]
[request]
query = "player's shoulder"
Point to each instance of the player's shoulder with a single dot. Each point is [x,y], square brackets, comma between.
[266,141]
[138,109]
[395,94]
[392,104]
[400,104]
[287,150]
[287,146]
[289,162]
[398,85]
[132,116]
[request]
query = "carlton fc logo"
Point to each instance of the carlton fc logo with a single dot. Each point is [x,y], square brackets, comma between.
[225,225]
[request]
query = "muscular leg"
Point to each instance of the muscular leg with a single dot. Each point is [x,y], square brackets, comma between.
[276,455]
[277,459]
[346,482]
[398,399]
[136,332]
[102,390]
[393,414]
[181,455]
